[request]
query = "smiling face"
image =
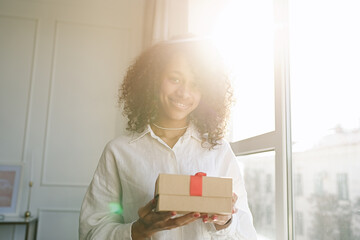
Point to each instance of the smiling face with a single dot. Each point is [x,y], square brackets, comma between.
[178,94]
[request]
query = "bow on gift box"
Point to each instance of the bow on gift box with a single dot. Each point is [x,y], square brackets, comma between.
[196,184]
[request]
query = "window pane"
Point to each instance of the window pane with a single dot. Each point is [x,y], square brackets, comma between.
[259,175]
[244,35]
[325,75]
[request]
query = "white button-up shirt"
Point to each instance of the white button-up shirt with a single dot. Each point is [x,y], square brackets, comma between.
[126,175]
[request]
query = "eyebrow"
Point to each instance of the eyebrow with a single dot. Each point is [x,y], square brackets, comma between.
[176,73]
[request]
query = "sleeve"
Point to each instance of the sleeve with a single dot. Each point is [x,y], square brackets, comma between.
[241,227]
[100,215]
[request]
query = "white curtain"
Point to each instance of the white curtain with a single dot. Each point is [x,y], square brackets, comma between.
[164,19]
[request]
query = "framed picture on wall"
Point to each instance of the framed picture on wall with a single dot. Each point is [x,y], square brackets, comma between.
[10,179]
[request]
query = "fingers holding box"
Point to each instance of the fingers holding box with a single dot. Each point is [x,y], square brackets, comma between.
[150,222]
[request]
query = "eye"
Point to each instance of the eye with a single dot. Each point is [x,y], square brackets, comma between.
[175,80]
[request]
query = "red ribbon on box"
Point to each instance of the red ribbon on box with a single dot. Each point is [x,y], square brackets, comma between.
[196,184]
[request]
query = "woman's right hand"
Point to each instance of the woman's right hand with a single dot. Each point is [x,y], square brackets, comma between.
[150,222]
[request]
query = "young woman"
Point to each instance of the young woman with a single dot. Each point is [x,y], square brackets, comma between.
[176,97]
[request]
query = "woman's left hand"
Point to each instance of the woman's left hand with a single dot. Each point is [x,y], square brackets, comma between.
[221,221]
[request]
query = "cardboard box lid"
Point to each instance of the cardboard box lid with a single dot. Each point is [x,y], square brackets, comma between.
[173,184]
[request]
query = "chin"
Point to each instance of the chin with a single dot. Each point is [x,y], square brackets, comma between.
[179,117]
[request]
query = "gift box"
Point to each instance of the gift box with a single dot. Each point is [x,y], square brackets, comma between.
[198,193]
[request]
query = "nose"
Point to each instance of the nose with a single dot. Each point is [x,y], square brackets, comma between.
[184,90]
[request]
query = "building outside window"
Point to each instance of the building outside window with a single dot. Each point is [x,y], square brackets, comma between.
[299,219]
[269,183]
[342,184]
[298,185]
[269,215]
[319,183]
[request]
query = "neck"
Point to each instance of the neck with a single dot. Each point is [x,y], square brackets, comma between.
[170,124]
[169,131]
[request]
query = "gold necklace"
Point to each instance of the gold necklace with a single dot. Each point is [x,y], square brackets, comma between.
[171,129]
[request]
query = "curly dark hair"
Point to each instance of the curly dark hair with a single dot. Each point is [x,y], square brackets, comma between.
[139,90]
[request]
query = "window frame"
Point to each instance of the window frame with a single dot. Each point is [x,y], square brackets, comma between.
[278,140]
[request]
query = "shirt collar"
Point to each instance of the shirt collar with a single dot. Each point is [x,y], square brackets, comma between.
[191,131]
[136,136]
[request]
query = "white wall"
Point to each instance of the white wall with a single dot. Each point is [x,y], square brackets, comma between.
[61,63]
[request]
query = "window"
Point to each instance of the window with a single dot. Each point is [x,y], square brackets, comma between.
[299,219]
[247,34]
[298,185]
[269,183]
[325,73]
[248,51]
[258,174]
[269,215]
[314,45]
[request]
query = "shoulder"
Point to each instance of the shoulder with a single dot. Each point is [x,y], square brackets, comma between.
[224,143]
[121,141]
[127,139]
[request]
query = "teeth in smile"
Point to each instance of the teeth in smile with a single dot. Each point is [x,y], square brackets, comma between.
[181,105]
